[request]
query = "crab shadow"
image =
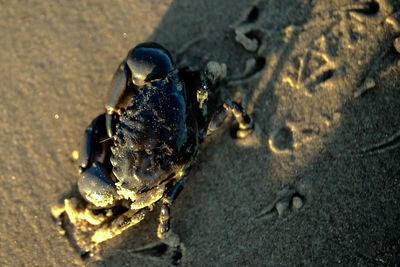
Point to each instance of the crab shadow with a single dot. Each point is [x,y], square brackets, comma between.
[193,39]
[223,192]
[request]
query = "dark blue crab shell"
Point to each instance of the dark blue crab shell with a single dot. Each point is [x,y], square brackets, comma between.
[155,136]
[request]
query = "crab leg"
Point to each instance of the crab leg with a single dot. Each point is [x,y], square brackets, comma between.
[118,225]
[94,143]
[245,123]
[163,231]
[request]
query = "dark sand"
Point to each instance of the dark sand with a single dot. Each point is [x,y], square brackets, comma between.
[318,183]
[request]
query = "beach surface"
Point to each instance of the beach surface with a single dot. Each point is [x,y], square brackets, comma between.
[317,182]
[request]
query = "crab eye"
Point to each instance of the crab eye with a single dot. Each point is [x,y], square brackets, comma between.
[148,62]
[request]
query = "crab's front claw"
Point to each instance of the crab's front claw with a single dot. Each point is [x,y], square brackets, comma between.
[96,188]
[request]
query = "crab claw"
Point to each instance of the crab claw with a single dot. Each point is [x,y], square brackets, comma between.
[96,188]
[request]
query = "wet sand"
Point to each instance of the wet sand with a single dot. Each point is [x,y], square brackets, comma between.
[317,183]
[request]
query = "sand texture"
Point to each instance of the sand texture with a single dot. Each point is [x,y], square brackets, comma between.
[317,182]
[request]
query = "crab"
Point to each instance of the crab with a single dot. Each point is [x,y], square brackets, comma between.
[139,152]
